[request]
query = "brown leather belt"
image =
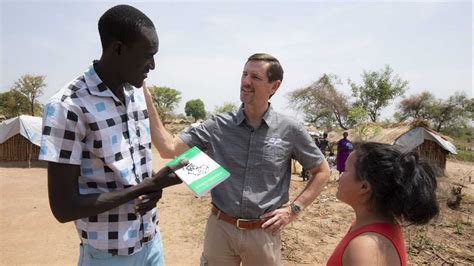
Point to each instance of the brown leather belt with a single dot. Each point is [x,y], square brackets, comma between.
[244,224]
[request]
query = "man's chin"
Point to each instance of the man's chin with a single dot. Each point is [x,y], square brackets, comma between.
[137,84]
[245,97]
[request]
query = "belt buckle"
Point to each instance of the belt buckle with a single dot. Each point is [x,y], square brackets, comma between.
[241,220]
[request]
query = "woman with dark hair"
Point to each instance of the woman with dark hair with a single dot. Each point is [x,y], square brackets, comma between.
[385,188]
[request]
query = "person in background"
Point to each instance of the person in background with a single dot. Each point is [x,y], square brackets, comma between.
[324,143]
[304,172]
[331,160]
[316,138]
[344,148]
[384,187]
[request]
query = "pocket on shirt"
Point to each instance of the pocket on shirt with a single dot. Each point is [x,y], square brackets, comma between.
[274,155]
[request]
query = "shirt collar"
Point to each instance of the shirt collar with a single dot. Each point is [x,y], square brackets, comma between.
[240,115]
[269,116]
[97,86]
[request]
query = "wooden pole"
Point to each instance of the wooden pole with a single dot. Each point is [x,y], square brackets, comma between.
[29,154]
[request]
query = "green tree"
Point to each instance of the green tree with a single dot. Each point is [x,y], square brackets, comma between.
[195,108]
[322,104]
[165,100]
[415,106]
[449,113]
[225,107]
[357,115]
[378,90]
[469,105]
[32,87]
[13,103]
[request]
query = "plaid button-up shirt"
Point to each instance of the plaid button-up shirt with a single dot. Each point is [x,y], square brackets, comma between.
[86,124]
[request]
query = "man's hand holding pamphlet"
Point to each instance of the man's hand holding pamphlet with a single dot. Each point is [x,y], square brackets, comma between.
[202,173]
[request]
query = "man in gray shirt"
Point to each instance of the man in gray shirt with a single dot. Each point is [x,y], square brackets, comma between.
[256,145]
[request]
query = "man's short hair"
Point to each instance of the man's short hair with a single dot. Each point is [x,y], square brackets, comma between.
[122,23]
[274,71]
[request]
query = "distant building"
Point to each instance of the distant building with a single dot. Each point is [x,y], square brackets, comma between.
[428,143]
[20,139]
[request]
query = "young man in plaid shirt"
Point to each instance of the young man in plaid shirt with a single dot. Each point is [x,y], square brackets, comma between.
[96,137]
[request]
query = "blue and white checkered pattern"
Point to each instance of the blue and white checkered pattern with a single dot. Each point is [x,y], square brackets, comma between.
[86,124]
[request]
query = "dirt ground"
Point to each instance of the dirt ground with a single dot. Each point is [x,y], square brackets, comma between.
[29,234]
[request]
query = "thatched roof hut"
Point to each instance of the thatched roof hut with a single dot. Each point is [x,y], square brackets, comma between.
[20,139]
[426,142]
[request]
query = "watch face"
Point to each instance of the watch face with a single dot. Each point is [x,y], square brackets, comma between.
[295,208]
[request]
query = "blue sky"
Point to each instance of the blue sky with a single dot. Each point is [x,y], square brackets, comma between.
[204,45]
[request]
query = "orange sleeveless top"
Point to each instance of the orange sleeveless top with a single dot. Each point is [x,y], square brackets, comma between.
[393,232]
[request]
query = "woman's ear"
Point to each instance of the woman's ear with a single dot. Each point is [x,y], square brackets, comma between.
[365,188]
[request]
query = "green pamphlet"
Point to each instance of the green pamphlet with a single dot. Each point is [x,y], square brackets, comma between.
[202,173]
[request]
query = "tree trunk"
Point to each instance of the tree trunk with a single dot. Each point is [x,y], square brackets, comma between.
[339,121]
[342,126]
[373,116]
[438,127]
[32,107]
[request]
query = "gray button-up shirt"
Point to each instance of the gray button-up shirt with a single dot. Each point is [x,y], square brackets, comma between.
[259,160]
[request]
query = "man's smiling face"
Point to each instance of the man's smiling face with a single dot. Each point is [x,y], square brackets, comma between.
[254,85]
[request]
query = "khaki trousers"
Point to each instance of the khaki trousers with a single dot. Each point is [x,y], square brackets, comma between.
[225,244]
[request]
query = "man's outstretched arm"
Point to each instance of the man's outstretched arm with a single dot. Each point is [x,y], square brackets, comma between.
[167,145]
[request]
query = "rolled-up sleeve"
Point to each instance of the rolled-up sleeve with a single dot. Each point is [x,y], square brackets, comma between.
[305,150]
[199,136]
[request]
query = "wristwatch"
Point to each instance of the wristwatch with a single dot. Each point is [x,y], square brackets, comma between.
[296,209]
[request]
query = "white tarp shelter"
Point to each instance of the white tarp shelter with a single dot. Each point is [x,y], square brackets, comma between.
[25,125]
